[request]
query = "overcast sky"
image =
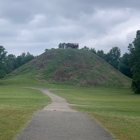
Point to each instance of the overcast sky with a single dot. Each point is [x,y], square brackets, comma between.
[35,25]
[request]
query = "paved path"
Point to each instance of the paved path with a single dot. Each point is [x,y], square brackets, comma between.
[58,121]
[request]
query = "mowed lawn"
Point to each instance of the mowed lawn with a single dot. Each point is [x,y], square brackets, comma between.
[17,105]
[118,110]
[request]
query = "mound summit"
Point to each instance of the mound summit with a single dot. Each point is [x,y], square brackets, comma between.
[72,66]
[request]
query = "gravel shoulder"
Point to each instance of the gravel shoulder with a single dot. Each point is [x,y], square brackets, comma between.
[57,121]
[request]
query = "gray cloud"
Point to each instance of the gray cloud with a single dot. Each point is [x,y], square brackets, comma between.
[33,25]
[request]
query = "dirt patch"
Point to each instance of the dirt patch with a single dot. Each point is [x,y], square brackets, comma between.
[41,66]
[63,76]
[80,64]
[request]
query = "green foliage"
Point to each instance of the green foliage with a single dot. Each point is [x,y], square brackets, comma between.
[3,66]
[134,50]
[2,74]
[85,48]
[61,46]
[136,78]
[9,63]
[2,53]
[24,58]
[101,54]
[113,57]
[93,50]
[124,65]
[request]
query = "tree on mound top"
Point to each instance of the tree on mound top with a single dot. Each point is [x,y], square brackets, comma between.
[134,50]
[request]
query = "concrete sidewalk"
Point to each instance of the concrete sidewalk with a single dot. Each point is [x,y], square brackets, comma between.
[59,122]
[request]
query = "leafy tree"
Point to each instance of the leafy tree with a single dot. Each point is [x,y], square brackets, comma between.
[28,57]
[124,65]
[11,63]
[24,58]
[101,54]
[85,48]
[2,74]
[93,50]
[61,46]
[113,57]
[134,50]
[2,61]
[2,54]
[136,78]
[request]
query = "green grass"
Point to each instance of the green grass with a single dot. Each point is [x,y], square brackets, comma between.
[118,110]
[27,81]
[73,66]
[24,80]
[17,105]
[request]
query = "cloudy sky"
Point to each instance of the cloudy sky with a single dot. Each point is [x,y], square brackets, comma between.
[35,25]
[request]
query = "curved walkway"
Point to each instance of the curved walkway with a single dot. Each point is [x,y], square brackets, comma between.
[58,121]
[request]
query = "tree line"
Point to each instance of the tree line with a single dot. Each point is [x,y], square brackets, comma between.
[128,64]
[10,62]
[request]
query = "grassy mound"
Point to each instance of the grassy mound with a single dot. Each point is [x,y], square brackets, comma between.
[72,67]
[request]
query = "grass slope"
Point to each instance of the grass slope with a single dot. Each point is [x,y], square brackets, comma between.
[118,110]
[72,67]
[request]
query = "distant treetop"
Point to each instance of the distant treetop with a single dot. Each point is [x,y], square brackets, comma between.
[68,45]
